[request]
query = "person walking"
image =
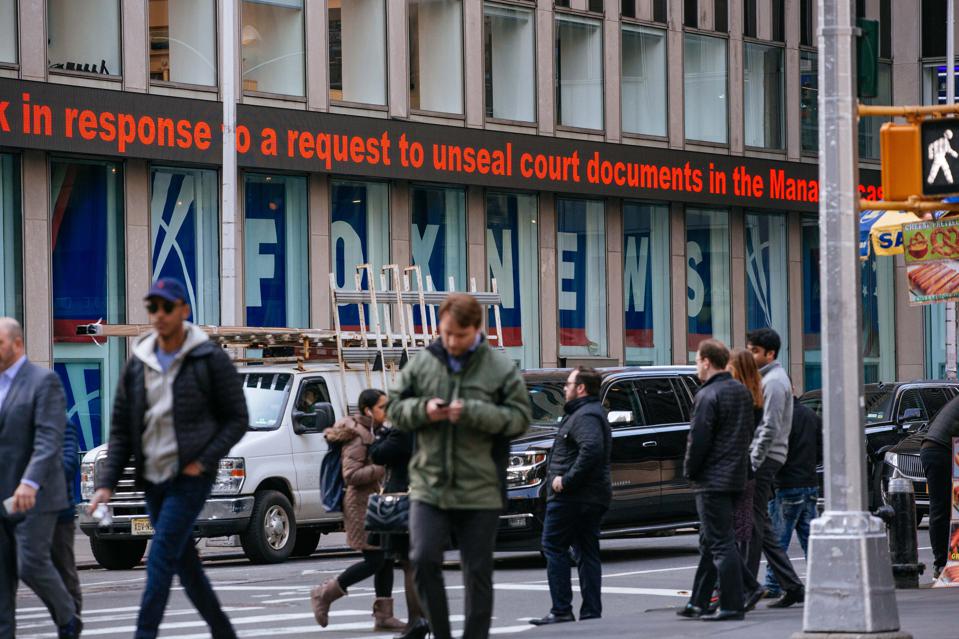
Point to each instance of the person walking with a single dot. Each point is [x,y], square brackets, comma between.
[362,478]
[768,451]
[32,423]
[393,449]
[179,408]
[579,489]
[797,486]
[464,401]
[716,460]
[65,531]
[935,455]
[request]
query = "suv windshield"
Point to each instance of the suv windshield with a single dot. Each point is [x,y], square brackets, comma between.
[265,397]
[547,399]
[878,403]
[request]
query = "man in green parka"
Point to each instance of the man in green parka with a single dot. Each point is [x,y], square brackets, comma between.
[464,401]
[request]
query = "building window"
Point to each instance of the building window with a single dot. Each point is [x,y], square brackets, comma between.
[439,236]
[644,81]
[579,72]
[510,63]
[360,234]
[878,319]
[933,19]
[704,77]
[358,51]
[763,95]
[691,13]
[869,127]
[646,283]
[512,257]
[581,267]
[272,46]
[627,8]
[811,310]
[183,41]
[436,55]
[807,30]
[184,219]
[8,31]
[659,11]
[11,242]
[934,318]
[84,36]
[767,277]
[809,100]
[275,257]
[721,16]
[707,277]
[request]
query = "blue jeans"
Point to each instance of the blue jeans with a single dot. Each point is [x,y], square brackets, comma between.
[572,524]
[173,507]
[791,509]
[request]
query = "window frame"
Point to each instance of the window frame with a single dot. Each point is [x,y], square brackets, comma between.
[634,24]
[781,149]
[581,16]
[208,88]
[534,123]
[118,78]
[689,31]
[16,39]
[268,94]
[370,106]
[409,70]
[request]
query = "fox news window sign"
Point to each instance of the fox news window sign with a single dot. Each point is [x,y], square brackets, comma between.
[940,156]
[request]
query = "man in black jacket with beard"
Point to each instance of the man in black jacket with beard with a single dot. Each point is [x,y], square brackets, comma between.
[580,490]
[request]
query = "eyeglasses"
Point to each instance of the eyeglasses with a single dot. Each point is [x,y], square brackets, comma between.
[167,306]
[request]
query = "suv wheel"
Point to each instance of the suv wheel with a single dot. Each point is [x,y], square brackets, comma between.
[306,541]
[118,554]
[271,535]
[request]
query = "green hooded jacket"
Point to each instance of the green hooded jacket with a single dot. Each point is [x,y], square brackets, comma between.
[461,465]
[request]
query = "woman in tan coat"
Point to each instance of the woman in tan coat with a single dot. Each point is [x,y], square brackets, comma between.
[362,478]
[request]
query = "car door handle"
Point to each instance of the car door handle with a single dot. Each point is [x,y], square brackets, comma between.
[650,444]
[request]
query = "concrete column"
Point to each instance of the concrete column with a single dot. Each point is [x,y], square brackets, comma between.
[678,292]
[906,68]
[317,56]
[238,293]
[545,89]
[136,45]
[398,62]
[476,265]
[136,205]
[615,294]
[32,23]
[320,254]
[548,301]
[735,78]
[37,260]
[674,67]
[737,276]
[792,19]
[909,352]
[473,59]
[794,255]
[612,71]
[401,219]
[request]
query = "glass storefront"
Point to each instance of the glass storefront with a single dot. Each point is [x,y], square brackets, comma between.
[767,277]
[11,239]
[438,235]
[647,303]
[581,270]
[707,277]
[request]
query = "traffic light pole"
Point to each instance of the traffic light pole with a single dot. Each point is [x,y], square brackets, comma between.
[850,591]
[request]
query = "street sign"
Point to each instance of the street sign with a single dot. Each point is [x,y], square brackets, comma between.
[939,147]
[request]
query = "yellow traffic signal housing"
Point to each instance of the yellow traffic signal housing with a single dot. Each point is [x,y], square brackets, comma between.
[901,161]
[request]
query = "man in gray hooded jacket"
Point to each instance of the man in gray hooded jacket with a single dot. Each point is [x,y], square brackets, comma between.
[767,454]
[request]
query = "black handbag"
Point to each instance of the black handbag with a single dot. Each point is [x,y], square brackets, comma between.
[388,513]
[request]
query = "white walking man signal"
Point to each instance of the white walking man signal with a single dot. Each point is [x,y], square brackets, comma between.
[938,151]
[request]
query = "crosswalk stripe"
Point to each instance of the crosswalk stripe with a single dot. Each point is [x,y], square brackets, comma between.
[89,621]
[293,630]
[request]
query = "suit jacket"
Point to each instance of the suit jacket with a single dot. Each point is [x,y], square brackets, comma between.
[32,422]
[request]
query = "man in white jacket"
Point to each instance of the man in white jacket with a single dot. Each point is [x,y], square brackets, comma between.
[767,454]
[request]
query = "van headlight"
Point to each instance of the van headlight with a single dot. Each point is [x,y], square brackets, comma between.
[526,469]
[87,480]
[229,476]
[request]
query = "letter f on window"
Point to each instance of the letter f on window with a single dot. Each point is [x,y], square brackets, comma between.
[259,266]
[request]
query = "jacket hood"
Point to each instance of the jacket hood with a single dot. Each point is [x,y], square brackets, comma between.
[348,428]
[145,347]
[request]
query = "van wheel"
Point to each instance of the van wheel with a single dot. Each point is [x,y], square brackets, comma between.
[272,532]
[118,554]
[307,540]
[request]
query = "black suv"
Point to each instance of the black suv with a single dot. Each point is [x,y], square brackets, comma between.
[649,410]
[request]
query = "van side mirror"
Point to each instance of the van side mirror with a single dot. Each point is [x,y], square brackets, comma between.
[911,414]
[321,418]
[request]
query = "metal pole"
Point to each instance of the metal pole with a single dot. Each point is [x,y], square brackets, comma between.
[849,578]
[951,99]
[228,186]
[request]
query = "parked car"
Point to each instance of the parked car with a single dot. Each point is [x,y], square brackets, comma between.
[904,457]
[649,410]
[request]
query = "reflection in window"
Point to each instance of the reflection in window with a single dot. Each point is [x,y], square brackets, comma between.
[183,41]
[11,243]
[438,236]
[707,277]
[272,46]
[763,94]
[767,277]
[878,319]
[185,236]
[436,55]
[704,77]
[581,269]
[275,259]
[579,72]
[510,64]
[644,81]
[934,319]
[357,30]
[811,310]
[646,283]
[512,257]
[934,81]
[8,31]
[84,35]
[869,127]
[809,100]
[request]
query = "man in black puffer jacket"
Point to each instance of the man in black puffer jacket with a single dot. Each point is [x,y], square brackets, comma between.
[580,490]
[717,457]
[179,408]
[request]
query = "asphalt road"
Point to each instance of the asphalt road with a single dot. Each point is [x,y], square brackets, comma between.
[645,580]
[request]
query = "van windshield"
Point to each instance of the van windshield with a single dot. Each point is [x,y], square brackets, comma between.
[266,395]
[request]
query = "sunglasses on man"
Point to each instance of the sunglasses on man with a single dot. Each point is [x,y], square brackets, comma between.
[153,306]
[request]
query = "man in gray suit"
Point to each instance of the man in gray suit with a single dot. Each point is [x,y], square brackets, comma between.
[32,421]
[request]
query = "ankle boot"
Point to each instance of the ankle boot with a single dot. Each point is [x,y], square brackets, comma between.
[419,629]
[321,597]
[383,615]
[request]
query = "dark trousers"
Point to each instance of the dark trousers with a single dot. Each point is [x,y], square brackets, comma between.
[572,524]
[937,463]
[374,564]
[173,507]
[719,558]
[475,532]
[64,560]
[764,540]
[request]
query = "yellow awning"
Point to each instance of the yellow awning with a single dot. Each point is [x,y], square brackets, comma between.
[883,231]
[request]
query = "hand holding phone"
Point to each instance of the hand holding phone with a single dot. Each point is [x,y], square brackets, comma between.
[8,505]
[437,409]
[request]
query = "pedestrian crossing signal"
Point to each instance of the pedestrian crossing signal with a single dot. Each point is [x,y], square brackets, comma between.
[939,146]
